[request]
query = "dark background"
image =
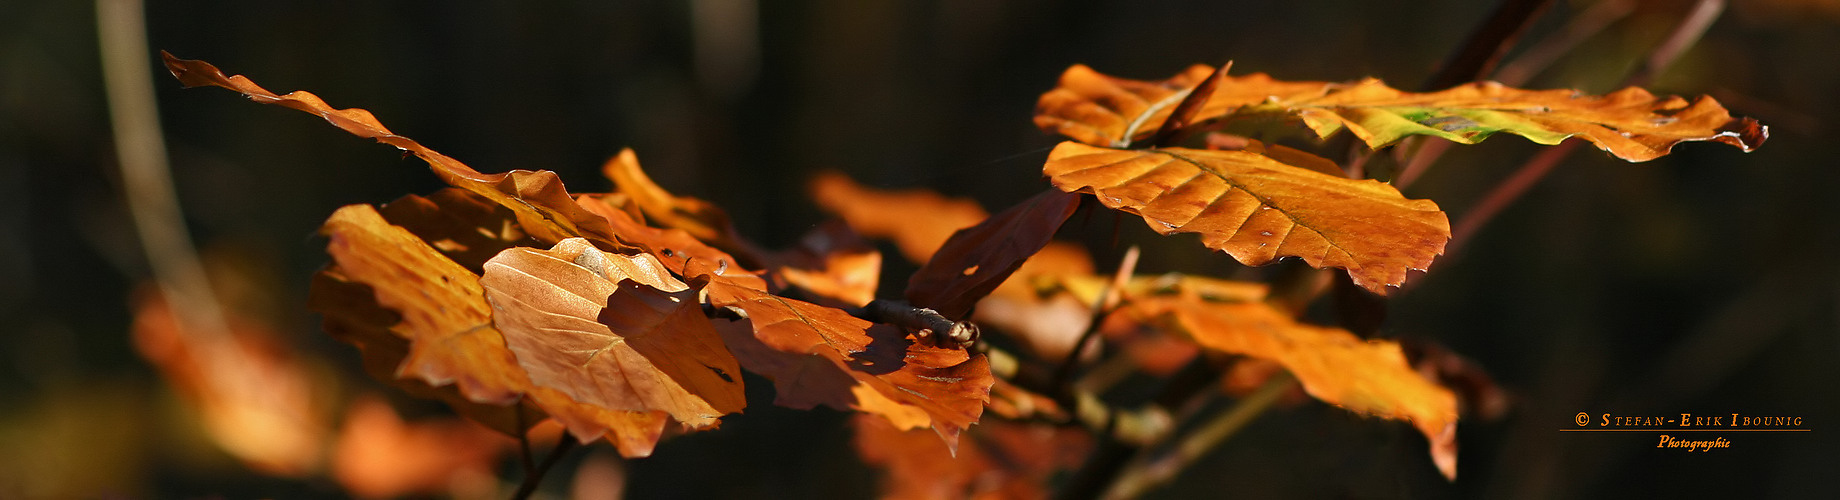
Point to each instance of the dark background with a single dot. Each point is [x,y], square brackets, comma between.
[1703,282]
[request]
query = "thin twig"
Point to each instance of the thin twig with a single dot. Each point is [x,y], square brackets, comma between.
[1146,472]
[1484,48]
[1505,193]
[1108,300]
[1689,31]
[529,485]
[1582,27]
[529,463]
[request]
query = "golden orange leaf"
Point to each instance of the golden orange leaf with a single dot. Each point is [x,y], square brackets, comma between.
[676,248]
[833,262]
[351,315]
[441,309]
[1257,209]
[378,455]
[1367,377]
[918,221]
[1631,123]
[613,331]
[542,205]
[703,220]
[1104,110]
[465,227]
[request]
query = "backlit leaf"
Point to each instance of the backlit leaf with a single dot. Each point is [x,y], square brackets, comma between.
[442,311]
[543,207]
[614,331]
[1257,209]
[833,262]
[892,214]
[977,259]
[882,370]
[1104,110]
[1368,377]
[702,219]
[1047,323]
[1631,123]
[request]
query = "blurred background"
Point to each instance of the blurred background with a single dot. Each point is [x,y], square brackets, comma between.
[1703,282]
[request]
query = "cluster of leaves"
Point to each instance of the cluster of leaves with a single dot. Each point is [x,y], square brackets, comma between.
[514,300]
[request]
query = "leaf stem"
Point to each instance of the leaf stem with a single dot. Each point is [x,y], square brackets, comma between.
[529,486]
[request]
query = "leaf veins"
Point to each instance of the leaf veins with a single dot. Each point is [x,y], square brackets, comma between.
[1258,209]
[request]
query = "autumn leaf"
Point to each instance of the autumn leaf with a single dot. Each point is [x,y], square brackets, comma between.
[613,331]
[675,248]
[908,384]
[351,315]
[1049,324]
[465,227]
[256,398]
[918,221]
[1334,366]
[1257,209]
[702,219]
[893,375]
[539,200]
[442,311]
[977,259]
[1631,123]
[832,262]
[378,455]
[1007,461]
[1104,110]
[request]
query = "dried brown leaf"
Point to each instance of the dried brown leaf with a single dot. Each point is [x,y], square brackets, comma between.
[893,374]
[442,311]
[613,331]
[977,259]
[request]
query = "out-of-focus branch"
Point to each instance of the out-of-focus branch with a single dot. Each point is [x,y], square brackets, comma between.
[1146,472]
[1685,34]
[146,177]
[1517,72]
